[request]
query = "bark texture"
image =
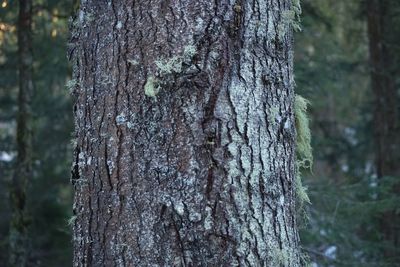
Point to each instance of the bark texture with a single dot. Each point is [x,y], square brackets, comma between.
[384,70]
[18,250]
[185,133]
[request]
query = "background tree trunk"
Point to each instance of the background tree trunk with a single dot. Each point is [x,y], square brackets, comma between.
[18,254]
[185,149]
[386,108]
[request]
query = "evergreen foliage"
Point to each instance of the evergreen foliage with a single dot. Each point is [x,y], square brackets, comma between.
[49,194]
[348,199]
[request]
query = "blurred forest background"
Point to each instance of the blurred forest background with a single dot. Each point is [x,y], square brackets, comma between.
[347,63]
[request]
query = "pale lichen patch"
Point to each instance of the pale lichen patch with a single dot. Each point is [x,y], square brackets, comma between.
[175,63]
[168,66]
[189,51]
[89,161]
[110,165]
[151,88]
[194,216]
[133,62]
[280,257]
[121,119]
[179,207]
[208,221]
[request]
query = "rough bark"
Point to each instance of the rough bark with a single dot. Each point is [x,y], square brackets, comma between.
[185,134]
[386,109]
[18,250]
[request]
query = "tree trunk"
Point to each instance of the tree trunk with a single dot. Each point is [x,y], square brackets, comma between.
[18,254]
[185,134]
[386,106]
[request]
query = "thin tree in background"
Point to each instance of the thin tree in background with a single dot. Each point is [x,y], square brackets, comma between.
[185,133]
[386,108]
[18,250]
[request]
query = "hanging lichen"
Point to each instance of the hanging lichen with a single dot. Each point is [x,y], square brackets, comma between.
[304,157]
[289,19]
[296,7]
[71,85]
[303,144]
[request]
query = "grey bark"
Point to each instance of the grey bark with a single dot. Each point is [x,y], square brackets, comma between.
[18,239]
[185,134]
